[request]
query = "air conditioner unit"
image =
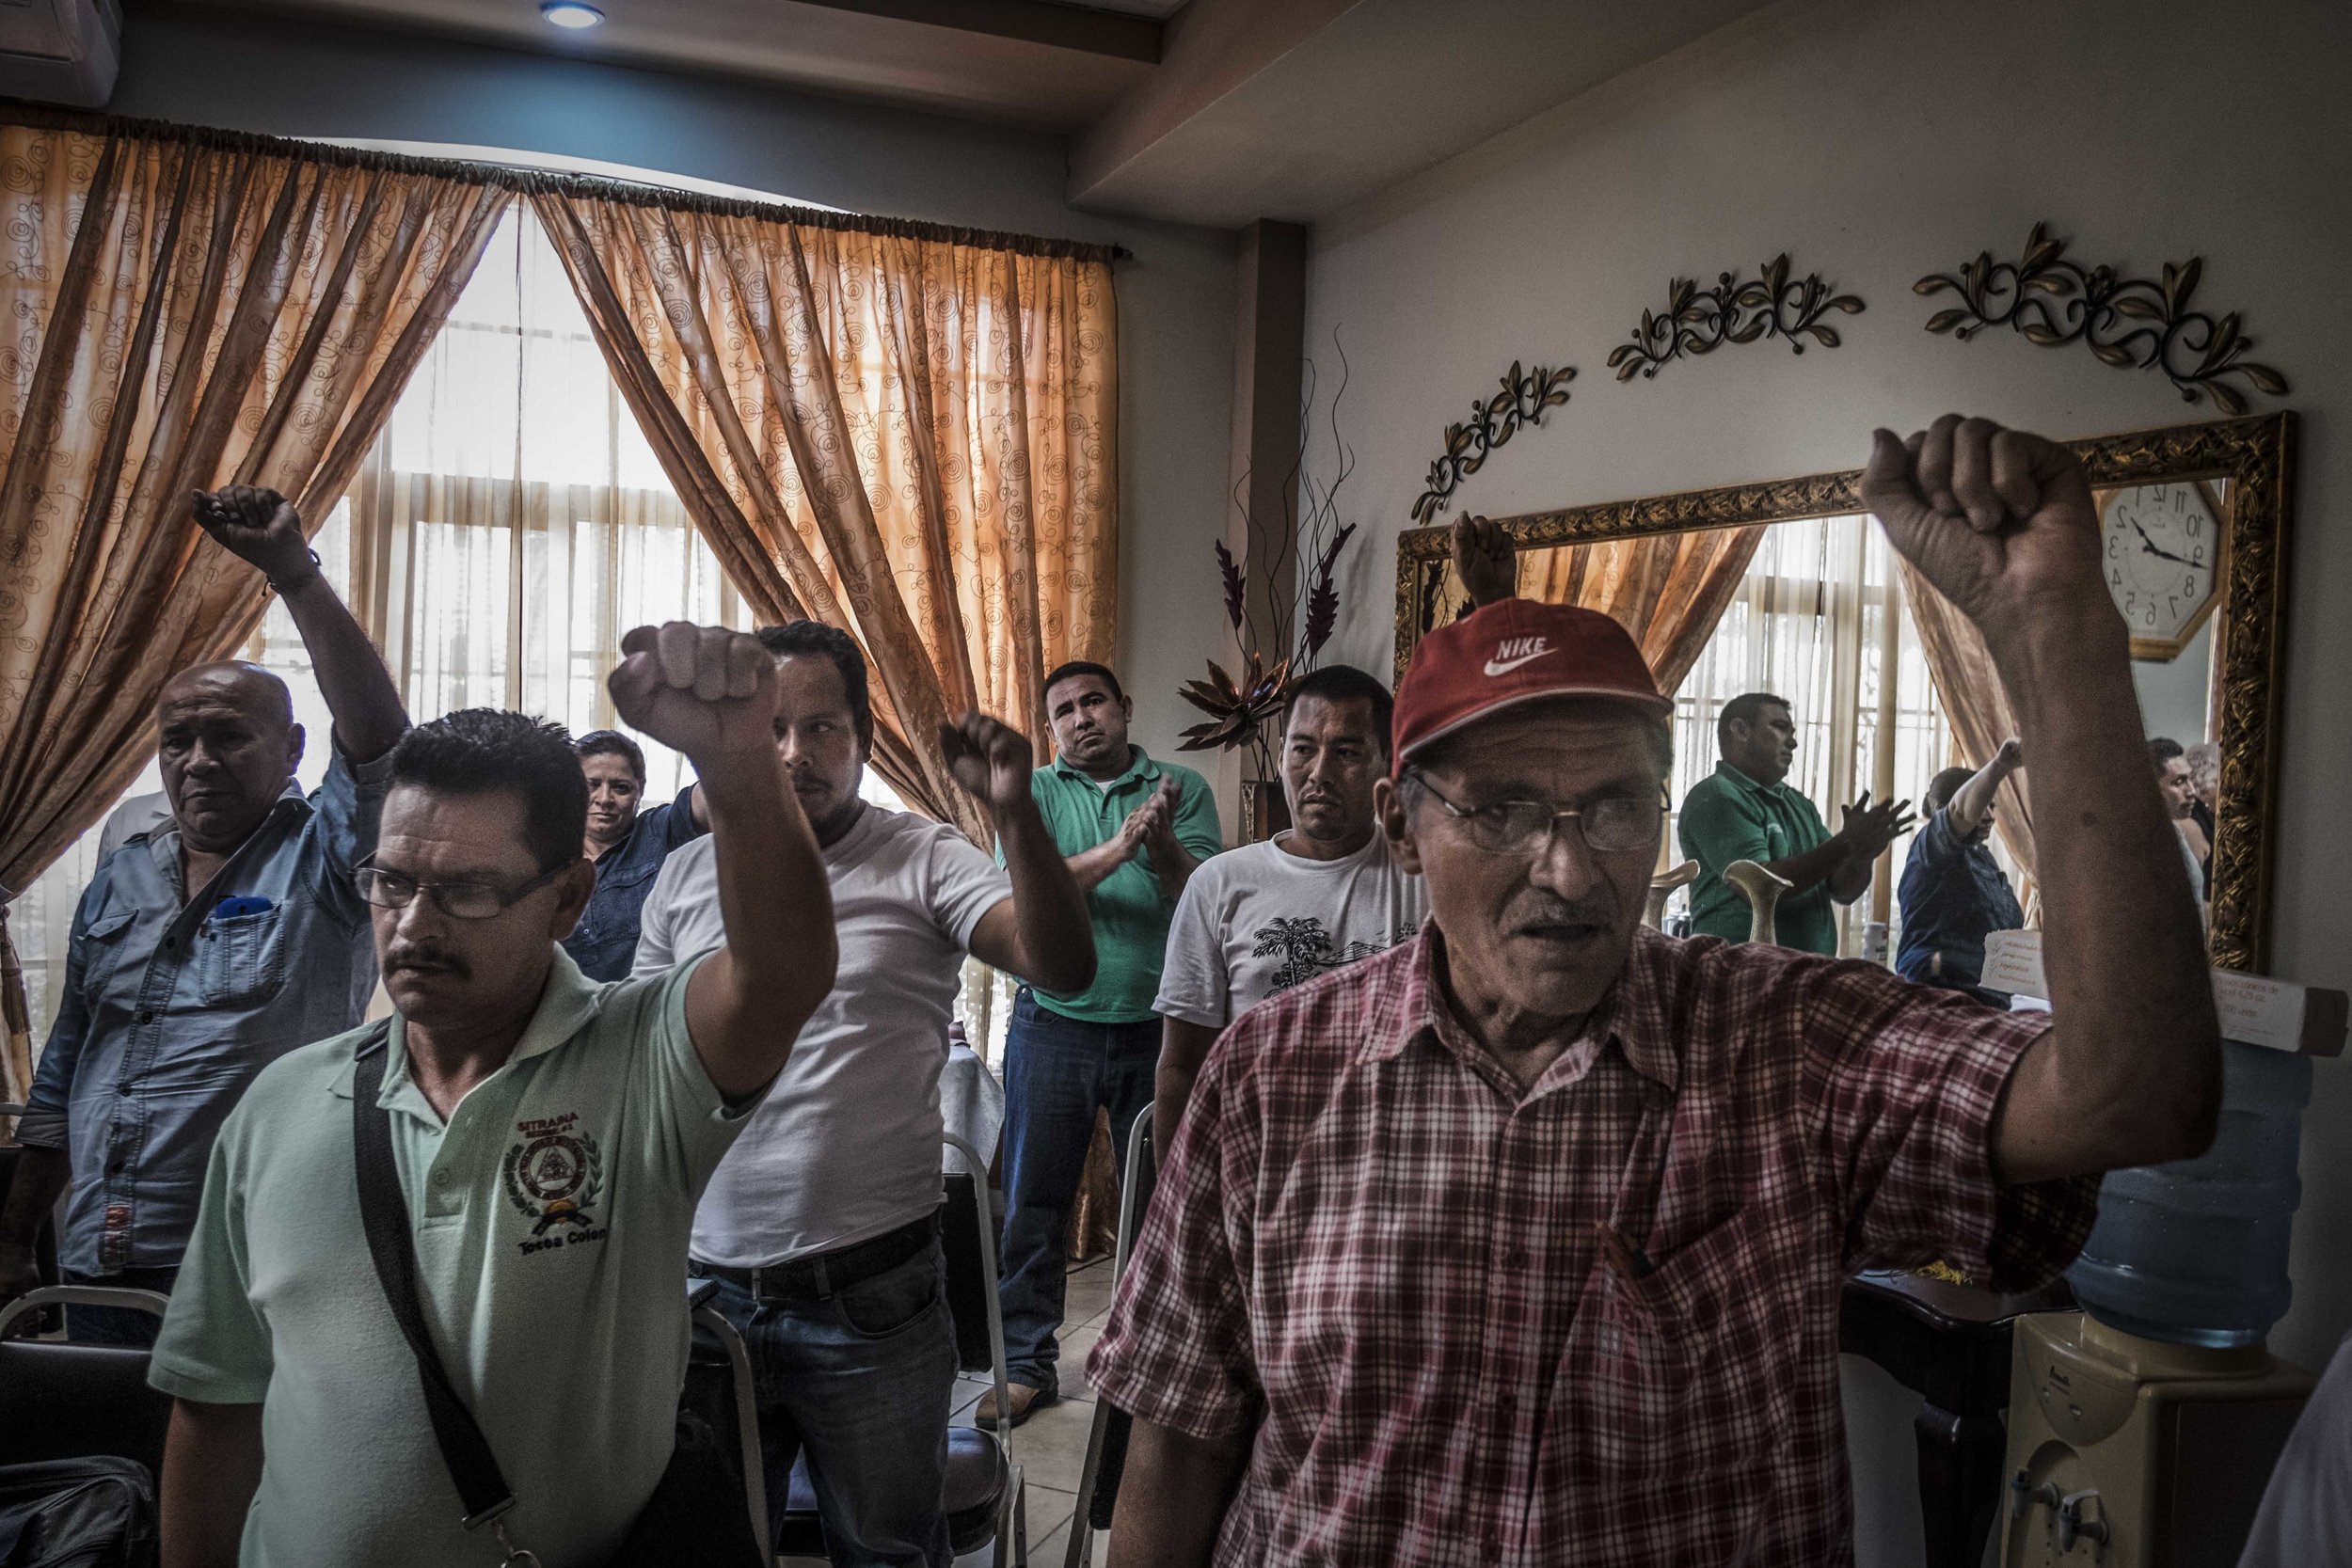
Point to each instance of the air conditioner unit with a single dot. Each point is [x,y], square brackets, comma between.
[61,51]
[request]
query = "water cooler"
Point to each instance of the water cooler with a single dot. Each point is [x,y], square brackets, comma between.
[2142,1429]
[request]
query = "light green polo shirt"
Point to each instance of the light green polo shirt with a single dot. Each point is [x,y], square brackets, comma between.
[550,1217]
[1730,816]
[1130,913]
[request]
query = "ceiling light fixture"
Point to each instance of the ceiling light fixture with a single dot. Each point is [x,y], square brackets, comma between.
[570,13]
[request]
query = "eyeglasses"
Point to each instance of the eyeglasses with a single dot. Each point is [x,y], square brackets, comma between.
[1612,826]
[390,890]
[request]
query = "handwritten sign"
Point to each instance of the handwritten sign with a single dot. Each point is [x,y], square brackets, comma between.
[2255,1010]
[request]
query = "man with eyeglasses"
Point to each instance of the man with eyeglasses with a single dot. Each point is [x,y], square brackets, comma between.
[1522,1243]
[215,939]
[549,1134]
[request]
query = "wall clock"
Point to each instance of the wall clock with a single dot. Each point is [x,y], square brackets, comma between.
[2162,546]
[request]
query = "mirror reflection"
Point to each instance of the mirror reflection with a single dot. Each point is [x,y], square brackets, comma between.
[1864,738]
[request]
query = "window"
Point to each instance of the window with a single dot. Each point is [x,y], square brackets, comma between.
[509,527]
[1819,620]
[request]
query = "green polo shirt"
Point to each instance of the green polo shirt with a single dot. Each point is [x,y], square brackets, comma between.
[1730,816]
[1130,913]
[550,1216]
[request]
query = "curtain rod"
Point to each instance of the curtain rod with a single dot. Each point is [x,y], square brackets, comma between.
[536,181]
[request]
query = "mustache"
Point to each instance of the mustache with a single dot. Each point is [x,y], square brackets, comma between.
[427,959]
[1559,911]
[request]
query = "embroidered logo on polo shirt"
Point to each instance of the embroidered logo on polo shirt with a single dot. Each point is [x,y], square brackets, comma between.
[1515,651]
[553,1176]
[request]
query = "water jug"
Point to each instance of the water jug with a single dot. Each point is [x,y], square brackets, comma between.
[2195,1253]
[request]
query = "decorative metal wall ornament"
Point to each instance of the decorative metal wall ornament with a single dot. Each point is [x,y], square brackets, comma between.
[1700,321]
[2194,351]
[1524,397]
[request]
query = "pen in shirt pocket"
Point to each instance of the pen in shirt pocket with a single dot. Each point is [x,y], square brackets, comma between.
[239,903]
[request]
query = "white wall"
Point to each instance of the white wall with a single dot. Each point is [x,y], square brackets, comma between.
[1877,141]
[204,67]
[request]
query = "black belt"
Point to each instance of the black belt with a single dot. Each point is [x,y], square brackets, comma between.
[828,1273]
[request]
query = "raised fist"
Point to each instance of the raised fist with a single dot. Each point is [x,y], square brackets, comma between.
[991,760]
[1485,561]
[2001,521]
[702,690]
[257,526]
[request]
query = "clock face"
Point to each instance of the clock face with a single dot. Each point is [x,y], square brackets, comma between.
[2162,548]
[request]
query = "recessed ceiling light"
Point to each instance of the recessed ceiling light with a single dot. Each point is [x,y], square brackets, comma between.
[570,13]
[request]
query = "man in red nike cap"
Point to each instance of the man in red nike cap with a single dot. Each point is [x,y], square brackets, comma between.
[1522,1243]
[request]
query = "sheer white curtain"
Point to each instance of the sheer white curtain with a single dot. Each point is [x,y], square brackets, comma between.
[1811,624]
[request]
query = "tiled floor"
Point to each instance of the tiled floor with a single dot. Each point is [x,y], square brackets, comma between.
[1050,1447]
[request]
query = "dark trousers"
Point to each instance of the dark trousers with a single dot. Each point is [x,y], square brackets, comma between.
[117,1325]
[1057,1070]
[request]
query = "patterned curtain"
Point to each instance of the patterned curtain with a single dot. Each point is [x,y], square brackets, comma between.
[1668,590]
[185,309]
[907,435]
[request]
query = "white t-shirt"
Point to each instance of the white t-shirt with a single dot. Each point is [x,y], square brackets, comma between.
[1259,919]
[847,1144]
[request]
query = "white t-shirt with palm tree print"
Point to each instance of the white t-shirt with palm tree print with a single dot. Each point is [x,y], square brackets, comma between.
[1259,919]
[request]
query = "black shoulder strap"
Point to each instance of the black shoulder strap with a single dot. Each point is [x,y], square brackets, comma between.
[384,1214]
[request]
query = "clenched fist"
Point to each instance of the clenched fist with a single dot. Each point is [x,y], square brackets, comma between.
[702,690]
[257,526]
[2001,521]
[991,760]
[1484,560]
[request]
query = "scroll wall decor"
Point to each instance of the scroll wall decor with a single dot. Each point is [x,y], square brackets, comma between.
[2195,350]
[1524,397]
[1700,321]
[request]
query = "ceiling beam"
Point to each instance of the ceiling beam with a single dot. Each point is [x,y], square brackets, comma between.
[1061,26]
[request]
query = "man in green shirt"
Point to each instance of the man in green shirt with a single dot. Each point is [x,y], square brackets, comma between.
[550,1136]
[1133,831]
[1746,812]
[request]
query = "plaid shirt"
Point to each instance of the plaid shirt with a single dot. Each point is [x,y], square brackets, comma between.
[1593,1322]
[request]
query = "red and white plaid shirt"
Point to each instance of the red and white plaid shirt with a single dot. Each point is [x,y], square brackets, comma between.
[1593,1322]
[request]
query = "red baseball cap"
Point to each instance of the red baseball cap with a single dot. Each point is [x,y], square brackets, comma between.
[1515,651]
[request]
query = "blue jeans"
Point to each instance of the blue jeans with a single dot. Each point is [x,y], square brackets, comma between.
[865,1381]
[117,1325]
[1056,1070]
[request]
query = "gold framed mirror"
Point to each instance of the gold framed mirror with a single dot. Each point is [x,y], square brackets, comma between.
[2208,614]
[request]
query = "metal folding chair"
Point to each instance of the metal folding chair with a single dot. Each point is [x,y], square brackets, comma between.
[719,1388]
[983,1483]
[1106,1439]
[59,1400]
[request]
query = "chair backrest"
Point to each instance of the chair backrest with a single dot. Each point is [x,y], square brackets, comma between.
[972,1284]
[720,1389]
[1107,1445]
[62,1401]
[959,1221]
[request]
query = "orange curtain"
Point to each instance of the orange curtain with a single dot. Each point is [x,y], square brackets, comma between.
[906,434]
[1977,706]
[1667,590]
[185,311]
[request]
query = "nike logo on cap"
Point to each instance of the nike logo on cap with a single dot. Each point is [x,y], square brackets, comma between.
[1515,651]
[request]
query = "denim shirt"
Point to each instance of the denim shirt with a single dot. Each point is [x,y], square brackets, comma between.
[171,1008]
[1953,897]
[604,943]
